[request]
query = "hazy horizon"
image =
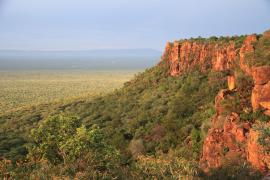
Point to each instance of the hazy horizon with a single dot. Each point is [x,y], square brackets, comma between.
[128,59]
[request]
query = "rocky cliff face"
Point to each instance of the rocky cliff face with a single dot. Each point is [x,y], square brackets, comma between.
[183,56]
[230,138]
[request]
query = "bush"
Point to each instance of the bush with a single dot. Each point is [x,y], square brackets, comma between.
[196,141]
[234,172]
[252,116]
[264,139]
[63,140]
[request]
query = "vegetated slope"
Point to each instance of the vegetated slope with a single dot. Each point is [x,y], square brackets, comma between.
[155,110]
[159,124]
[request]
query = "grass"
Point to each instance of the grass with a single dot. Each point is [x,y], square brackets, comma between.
[26,88]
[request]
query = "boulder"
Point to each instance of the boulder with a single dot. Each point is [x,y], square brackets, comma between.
[261,96]
[261,75]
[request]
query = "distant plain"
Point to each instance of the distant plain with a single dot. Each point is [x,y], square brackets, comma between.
[19,89]
[30,78]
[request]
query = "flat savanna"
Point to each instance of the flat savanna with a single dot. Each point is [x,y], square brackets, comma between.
[19,89]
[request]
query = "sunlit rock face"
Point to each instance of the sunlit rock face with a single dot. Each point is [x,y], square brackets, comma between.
[261,92]
[229,138]
[224,143]
[183,56]
[231,82]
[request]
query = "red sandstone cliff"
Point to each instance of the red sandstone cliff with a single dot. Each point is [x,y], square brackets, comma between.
[229,138]
[187,55]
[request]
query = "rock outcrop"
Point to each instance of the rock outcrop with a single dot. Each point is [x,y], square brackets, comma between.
[229,138]
[260,95]
[261,92]
[261,75]
[224,143]
[247,53]
[182,56]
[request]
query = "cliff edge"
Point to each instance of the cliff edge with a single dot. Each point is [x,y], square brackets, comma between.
[240,129]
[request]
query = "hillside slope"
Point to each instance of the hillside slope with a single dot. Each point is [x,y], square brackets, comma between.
[206,103]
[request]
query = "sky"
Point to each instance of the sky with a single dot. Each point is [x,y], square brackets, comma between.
[124,24]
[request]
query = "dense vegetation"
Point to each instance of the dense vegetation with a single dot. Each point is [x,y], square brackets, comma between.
[144,123]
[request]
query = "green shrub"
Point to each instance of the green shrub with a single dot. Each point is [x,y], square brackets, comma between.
[252,116]
[196,140]
[234,172]
[264,139]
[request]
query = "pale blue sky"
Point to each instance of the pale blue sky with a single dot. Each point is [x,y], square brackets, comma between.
[98,24]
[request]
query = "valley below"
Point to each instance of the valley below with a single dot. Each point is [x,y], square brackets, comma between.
[20,89]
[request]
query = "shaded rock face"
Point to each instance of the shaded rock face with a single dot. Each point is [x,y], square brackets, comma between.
[229,138]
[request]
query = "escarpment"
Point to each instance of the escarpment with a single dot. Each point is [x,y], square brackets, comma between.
[240,129]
